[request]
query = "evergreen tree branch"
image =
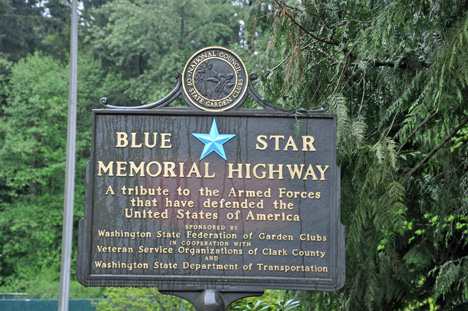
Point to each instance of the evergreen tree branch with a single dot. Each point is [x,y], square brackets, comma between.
[361,106]
[401,65]
[268,72]
[318,15]
[277,66]
[416,130]
[434,151]
[344,21]
[332,41]
[342,73]
[289,15]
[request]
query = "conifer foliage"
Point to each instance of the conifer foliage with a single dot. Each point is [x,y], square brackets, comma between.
[396,74]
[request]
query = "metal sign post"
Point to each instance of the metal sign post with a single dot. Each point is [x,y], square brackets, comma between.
[67,231]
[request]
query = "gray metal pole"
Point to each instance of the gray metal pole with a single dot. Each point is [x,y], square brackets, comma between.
[210,300]
[67,229]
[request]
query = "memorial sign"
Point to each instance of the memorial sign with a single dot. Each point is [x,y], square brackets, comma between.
[189,200]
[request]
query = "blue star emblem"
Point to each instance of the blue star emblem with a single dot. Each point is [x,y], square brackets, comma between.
[213,141]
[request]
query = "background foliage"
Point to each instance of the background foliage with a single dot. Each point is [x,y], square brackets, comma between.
[395,72]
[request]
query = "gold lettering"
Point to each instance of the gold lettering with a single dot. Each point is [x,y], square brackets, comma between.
[310,172]
[207,171]
[109,189]
[194,170]
[133,142]
[165,140]
[231,170]
[275,237]
[121,168]
[291,144]
[260,139]
[272,171]
[272,217]
[148,169]
[154,140]
[307,143]
[122,140]
[135,170]
[169,168]
[276,138]
[105,169]
[296,172]
[263,175]
[322,172]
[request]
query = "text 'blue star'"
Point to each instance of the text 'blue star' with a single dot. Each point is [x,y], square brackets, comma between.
[213,141]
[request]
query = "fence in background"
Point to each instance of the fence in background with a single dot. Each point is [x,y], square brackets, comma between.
[22,304]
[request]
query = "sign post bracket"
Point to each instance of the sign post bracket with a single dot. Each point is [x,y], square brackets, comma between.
[210,299]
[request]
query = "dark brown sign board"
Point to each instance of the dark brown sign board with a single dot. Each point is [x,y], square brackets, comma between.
[213,203]
[185,200]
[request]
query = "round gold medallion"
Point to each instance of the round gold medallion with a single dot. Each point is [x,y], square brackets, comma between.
[215,79]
